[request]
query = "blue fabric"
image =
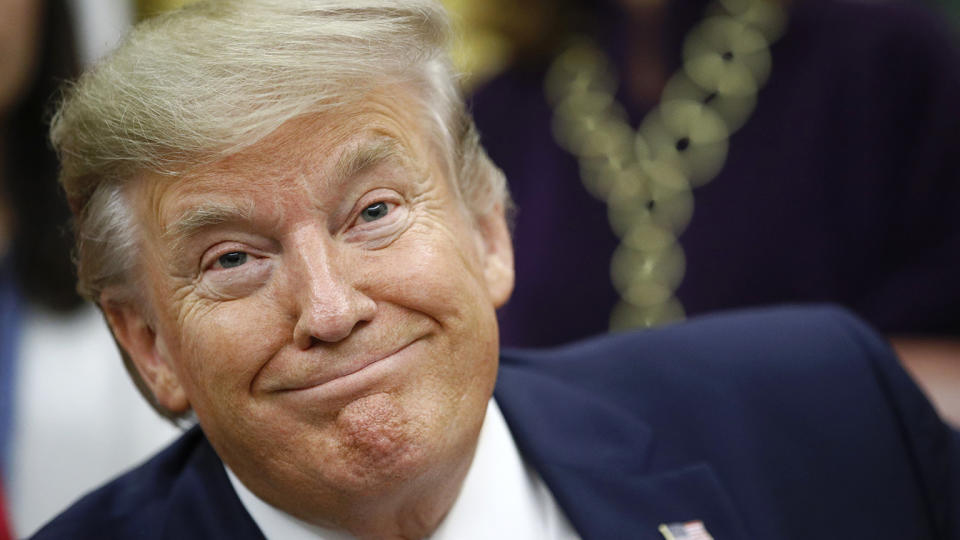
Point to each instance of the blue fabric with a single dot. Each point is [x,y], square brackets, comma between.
[9,343]
[775,424]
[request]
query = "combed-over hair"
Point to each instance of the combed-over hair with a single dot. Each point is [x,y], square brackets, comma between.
[199,84]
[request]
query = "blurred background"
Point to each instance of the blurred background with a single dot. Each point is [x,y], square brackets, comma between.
[668,159]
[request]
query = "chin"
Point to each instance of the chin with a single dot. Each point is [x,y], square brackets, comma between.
[379,444]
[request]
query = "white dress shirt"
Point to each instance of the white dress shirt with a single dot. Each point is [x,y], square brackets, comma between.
[501,498]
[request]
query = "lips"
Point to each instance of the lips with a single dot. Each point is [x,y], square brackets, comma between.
[320,370]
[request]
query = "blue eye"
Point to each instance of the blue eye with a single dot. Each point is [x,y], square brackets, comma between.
[232,259]
[375,211]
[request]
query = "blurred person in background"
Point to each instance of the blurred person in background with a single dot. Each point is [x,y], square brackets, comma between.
[699,156]
[55,442]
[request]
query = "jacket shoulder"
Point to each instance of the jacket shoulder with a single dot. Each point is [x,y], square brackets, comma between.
[182,492]
[740,345]
[784,404]
[769,365]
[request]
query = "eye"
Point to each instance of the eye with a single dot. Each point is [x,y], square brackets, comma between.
[378,217]
[375,211]
[232,259]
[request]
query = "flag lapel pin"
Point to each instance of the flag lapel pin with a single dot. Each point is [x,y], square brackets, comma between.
[689,530]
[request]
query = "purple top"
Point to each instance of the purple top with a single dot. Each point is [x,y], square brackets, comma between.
[843,186]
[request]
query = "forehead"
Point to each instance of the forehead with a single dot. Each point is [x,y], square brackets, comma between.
[317,153]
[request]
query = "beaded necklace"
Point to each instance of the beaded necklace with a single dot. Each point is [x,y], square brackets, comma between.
[647,176]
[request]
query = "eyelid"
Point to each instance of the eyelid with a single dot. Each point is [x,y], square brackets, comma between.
[212,255]
[219,264]
[381,195]
[221,284]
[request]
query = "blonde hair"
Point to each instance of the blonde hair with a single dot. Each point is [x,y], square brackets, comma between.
[199,84]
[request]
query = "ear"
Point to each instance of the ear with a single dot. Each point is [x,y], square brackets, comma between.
[138,338]
[497,253]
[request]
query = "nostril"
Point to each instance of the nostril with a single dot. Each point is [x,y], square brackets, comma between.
[325,324]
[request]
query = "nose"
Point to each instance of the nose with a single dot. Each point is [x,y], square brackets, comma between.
[329,303]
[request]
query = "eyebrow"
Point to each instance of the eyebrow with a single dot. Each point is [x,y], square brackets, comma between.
[366,155]
[189,223]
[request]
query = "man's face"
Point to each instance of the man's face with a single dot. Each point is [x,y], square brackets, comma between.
[325,304]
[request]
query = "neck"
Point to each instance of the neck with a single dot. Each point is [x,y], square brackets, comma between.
[412,508]
[414,515]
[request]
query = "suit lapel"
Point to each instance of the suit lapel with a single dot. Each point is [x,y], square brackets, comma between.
[609,505]
[206,503]
[597,458]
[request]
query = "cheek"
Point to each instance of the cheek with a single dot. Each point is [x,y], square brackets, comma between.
[439,277]
[223,349]
[432,269]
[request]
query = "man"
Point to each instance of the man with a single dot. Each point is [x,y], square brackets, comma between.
[288,221]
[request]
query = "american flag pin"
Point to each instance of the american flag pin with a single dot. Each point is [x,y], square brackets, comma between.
[689,530]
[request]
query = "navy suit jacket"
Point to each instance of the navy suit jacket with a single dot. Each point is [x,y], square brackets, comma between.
[790,423]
